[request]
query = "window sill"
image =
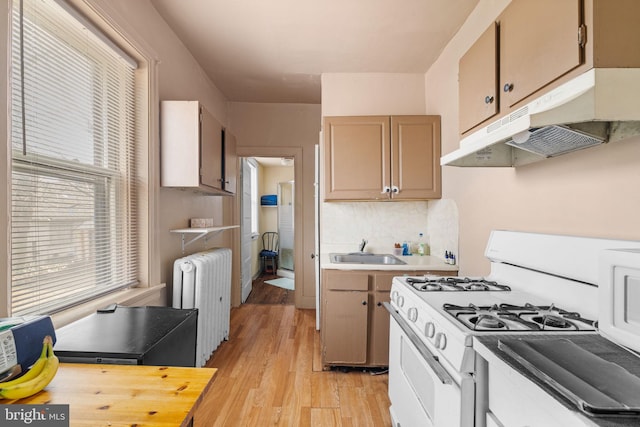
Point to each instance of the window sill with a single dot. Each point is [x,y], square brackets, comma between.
[154,295]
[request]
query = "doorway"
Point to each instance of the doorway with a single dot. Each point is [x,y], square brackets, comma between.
[267,206]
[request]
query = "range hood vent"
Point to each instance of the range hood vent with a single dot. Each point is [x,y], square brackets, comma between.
[596,107]
[551,141]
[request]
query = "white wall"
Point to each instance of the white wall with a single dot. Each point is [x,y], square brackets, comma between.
[590,193]
[180,77]
[371,94]
[274,130]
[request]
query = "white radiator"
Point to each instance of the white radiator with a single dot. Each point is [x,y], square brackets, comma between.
[203,281]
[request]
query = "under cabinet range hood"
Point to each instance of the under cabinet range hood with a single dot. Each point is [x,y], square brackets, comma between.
[602,105]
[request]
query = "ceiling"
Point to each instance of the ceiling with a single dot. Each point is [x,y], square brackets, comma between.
[274,161]
[275,51]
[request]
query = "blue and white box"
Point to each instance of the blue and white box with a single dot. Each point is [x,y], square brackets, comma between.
[21,340]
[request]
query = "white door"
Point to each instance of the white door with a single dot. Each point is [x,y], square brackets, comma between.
[245,229]
[316,254]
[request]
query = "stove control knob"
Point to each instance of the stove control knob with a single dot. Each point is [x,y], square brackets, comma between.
[413,314]
[429,329]
[441,341]
[400,301]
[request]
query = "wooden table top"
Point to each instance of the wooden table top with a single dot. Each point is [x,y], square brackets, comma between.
[126,395]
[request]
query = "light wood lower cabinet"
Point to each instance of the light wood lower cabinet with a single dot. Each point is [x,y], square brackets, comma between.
[354,324]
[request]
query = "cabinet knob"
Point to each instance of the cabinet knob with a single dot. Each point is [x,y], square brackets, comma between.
[395,189]
[364,303]
[508,87]
[379,304]
[385,190]
[488,99]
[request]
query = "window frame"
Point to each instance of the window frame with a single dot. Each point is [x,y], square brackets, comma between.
[106,19]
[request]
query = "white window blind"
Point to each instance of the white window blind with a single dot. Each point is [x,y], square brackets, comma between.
[73,194]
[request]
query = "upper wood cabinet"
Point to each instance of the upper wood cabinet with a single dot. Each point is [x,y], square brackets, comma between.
[535,46]
[539,42]
[478,80]
[192,150]
[382,158]
[230,165]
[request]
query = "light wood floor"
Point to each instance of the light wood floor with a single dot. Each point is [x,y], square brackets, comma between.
[270,374]
[264,293]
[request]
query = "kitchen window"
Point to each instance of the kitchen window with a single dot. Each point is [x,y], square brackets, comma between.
[74,198]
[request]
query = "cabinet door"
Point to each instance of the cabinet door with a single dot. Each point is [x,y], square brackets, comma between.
[379,335]
[478,81]
[210,150]
[356,158]
[179,144]
[345,327]
[230,166]
[339,280]
[538,44]
[415,157]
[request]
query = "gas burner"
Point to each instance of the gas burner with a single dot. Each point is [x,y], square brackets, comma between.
[553,321]
[487,321]
[430,287]
[476,286]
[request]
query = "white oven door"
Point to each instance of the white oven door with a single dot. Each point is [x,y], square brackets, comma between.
[421,391]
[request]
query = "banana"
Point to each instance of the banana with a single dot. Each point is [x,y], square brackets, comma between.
[46,368]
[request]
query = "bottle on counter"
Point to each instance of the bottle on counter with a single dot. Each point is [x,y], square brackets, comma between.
[446,257]
[405,248]
[421,245]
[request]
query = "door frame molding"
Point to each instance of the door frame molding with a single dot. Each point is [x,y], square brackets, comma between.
[296,154]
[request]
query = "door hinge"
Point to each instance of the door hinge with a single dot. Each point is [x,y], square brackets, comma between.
[582,35]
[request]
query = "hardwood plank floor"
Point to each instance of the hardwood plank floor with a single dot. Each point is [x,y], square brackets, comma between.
[264,293]
[270,374]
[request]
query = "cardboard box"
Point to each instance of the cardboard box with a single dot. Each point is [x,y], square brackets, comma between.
[201,222]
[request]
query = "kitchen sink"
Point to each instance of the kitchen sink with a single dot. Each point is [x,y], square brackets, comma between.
[365,258]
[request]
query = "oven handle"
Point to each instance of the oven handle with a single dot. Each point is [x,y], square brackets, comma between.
[430,358]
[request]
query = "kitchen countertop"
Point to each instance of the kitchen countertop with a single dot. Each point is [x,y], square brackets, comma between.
[126,395]
[413,263]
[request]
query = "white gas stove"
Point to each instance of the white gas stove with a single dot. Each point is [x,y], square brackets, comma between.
[539,285]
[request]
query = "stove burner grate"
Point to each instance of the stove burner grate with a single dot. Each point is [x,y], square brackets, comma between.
[508,317]
[426,284]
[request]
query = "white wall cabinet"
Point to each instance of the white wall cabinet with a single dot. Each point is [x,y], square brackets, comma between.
[193,154]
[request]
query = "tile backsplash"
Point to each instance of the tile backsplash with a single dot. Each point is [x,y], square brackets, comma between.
[344,224]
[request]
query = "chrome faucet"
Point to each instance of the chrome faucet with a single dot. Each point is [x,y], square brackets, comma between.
[363,244]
